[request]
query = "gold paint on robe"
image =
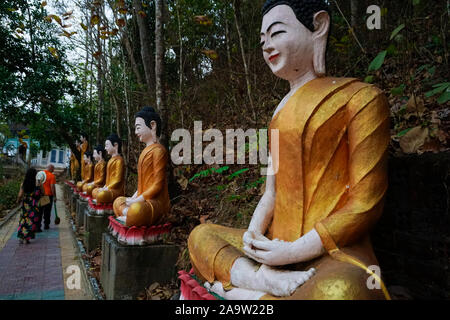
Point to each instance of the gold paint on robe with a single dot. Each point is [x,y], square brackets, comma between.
[115,181]
[99,177]
[332,176]
[74,166]
[83,149]
[88,177]
[152,185]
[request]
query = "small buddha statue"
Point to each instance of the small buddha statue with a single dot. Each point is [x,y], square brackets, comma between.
[309,234]
[83,148]
[74,165]
[115,173]
[151,201]
[88,175]
[99,171]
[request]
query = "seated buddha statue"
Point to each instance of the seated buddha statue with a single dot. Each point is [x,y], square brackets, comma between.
[99,171]
[88,175]
[115,173]
[74,166]
[308,237]
[83,147]
[151,200]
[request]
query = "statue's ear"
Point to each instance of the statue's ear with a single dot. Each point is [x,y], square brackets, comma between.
[320,36]
[153,125]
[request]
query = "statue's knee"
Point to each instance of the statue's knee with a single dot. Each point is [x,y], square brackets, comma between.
[198,233]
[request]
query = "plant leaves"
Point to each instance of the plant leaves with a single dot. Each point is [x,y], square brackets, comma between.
[445,97]
[95,19]
[378,61]
[53,52]
[396,31]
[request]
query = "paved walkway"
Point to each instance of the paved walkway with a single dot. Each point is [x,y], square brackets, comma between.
[37,271]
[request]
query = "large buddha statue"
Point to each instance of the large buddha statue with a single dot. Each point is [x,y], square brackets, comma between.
[151,200]
[88,171]
[309,234]
[99,171]
[115,173]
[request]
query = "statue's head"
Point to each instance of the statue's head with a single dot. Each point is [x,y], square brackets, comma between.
[83,137]
[147,124]
[113,144]
[87,157]
[77,143]
[294,36]
[99,153]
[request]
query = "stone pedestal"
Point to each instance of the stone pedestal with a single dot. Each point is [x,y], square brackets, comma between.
[94,226]
[73,202]
[81,207]
[128,270]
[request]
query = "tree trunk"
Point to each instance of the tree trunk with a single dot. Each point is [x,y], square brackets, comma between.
[247,75]
[159,69]
[354,13]
[146,51]
[181,73]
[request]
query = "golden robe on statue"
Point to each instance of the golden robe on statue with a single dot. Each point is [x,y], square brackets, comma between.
[115,181]
[152,185]
[83,149]
[332,176]
[74,166]
[99,177]
[88,175]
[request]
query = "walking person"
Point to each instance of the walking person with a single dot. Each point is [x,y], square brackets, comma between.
[49,190]
[30,192]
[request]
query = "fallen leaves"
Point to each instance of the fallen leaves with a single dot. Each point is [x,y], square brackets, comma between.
[414,139]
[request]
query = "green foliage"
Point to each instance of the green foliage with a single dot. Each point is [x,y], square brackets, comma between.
[398,91]
[378,61]
[237,173]
[444,89]
[207,172]
[397,30]
[9,191]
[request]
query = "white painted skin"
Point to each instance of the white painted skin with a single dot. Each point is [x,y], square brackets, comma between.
[297,55]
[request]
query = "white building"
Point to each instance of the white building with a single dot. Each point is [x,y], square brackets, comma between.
[60,158]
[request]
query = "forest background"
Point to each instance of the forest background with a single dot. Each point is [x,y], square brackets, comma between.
[90,65]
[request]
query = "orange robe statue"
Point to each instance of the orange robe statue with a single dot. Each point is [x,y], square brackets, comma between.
[88,177]
[152,185]
[99,178]
[115,182]
[332,176]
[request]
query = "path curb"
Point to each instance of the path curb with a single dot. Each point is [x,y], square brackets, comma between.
[9,216]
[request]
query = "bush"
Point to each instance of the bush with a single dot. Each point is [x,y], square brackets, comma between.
[9,190]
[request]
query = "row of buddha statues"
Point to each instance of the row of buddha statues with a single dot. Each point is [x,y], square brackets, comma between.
[104,182]
[308,237]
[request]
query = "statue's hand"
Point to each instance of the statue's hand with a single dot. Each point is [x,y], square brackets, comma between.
[130,201]
[269,252]
[251,235]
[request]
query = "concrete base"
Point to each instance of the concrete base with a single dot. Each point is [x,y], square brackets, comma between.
[73,202]
[94,226]
[128,270]
[81,207]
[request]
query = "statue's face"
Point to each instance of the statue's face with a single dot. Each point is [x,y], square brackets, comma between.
[97,156]
[109,147]
[143,132]
[287,44]
[77,143]
[85,159]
